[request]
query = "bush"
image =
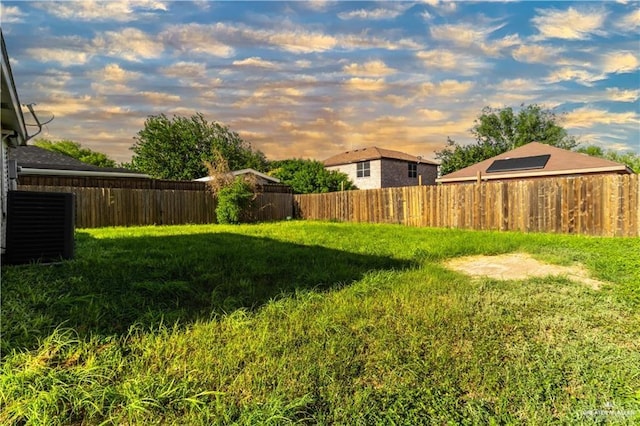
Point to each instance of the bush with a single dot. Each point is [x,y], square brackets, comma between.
[234,201]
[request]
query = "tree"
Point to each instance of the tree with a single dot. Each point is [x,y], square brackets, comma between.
[75,150]
[628,158]
[500,130]
[178,148]
[309,176]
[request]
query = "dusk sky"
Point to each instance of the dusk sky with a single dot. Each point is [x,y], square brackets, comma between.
[312,79]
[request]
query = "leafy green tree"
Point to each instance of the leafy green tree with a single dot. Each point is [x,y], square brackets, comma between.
[498,130]
[178,148]
[309,176]
[632,160]
[75,150]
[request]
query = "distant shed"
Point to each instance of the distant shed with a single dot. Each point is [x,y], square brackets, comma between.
[260,177]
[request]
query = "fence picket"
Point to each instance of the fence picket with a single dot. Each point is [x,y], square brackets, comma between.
[604,205]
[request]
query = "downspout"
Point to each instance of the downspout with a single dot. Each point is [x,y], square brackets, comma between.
[4,188]
[6,134]
[12,165]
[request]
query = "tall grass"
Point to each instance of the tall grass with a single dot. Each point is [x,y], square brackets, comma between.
[318,323]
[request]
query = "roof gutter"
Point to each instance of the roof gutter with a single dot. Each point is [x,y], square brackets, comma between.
[84,173]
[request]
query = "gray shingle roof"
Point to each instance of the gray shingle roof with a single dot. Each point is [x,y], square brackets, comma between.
[372,153]
[34,157]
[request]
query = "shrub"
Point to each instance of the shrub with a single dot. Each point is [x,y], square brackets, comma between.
[235,194]
[234,201]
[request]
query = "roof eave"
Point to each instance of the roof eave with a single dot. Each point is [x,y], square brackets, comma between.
[87,173]
[20,136]
[491,176]
[422,161]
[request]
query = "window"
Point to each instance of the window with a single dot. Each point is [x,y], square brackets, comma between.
[413,170]
[363,169]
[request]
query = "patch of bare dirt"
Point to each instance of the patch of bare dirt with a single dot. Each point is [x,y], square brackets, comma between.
[517,266]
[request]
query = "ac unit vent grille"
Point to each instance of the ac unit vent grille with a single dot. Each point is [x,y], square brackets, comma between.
[40,226]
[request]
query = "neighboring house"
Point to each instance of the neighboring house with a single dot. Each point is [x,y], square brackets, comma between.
[14,133]
[36,161]
[260,178]
[534,160]
[373,167]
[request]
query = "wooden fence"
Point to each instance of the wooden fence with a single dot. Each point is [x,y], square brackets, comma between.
[129,183]
[596,205]
[604,205]
[110,182]
[99,207]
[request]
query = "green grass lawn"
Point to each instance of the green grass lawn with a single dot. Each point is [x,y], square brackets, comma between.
[318,323]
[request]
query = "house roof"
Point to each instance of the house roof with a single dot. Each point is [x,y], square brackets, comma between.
[372,153]
[36,158]
[560,162]
[245,172]
[11,113]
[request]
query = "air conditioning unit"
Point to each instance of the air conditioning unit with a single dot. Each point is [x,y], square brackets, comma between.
[40,226]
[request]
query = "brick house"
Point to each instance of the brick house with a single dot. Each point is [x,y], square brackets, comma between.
[373,167]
